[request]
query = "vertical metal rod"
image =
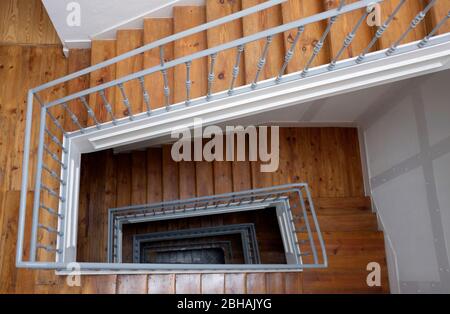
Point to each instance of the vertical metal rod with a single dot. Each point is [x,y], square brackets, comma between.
[126,102]
[55,140]
[37,186]
[188,82]
[308,228]
[262,61]
[348,40]
[290,53]
[108,106]
[166,80]
[90,111]
[235,72]
[211,76]
[426,39]
[56,122]
[321,41]
[24,184]
[380,32]
[145,95]
[417,19]
[73,117]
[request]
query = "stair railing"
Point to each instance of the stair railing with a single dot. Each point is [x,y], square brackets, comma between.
[51,151]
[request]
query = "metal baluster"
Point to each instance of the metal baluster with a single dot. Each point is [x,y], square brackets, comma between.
[73,117]
[52,193]
[348,40]
[262,61]
[211,76]
[90,112]
[54,157]
[235,72]
[108,106]
[166,80]
[51,211]
[321,41]
[426,39]
[380,32]
[145,95]
[417,19]
[56,122]
[188,83]
[48,248]
[290,53]
[53,174]
[50,229]
[56,140]
[126,101]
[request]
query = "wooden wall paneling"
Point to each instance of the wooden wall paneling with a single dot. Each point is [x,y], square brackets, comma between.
[102,50]
[128,40]
[294,10]
[399,25]
[132,284]
[161,284]
[261,179]
[187,283]
[83,203]
[213,283]
[184,18]
[170,175]
[235,283]
[104,284]
[222,34]
[256,283]
[78,60]
[255,23]
[154,29]
[344,25]
[138,178]
[26,22]
[275,283]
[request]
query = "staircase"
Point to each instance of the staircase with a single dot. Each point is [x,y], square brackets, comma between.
[348,224]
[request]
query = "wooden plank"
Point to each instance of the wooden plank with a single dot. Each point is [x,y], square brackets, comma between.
[294,10]
[344,25]
[132,284]
[123,166]
[256,283]
[138,177]
[213,283]
[155,29]
[26,22]
[255,23]
[293,283]
[184,18]
[103,284]
[128,40]
[436,14]
[235,283]
[109,202]
[154,175]
[161,284]
[187,283]
[218,35]
[170,175]
[402,21]
[275,283]
[261,179]
[187,172]
[78,60]
[223,175]
[102,50]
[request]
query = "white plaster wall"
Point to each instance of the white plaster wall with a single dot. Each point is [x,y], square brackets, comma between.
[394,139]
[101,18]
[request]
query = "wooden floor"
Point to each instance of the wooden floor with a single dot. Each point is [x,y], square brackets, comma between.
[23,22]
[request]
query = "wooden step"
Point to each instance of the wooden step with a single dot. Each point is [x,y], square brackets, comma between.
[436,14]
[155,29]
[255,23]
[361,203]
[184,18]
[102,50]
[128,40]
[293,10]
[348,222]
